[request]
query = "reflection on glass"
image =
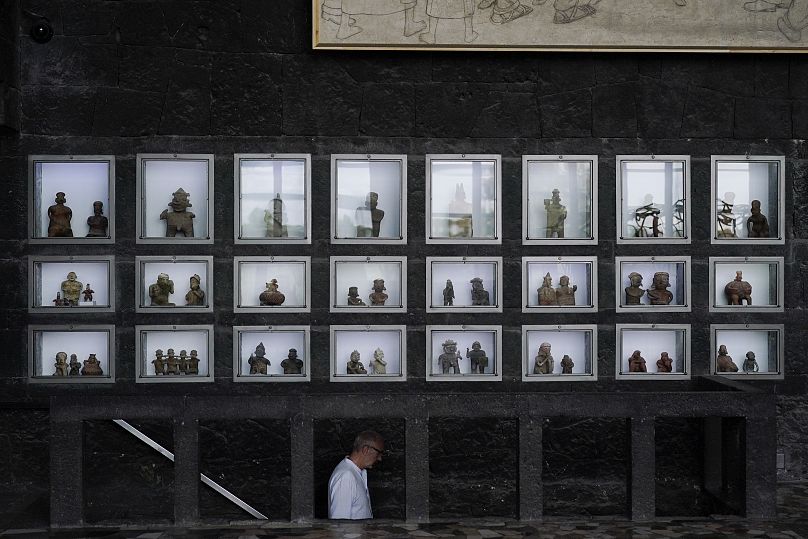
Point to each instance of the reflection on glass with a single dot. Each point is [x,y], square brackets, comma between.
[273,198]
[463,199]
[368,199]
[653,199]
[559,199]
[746,199]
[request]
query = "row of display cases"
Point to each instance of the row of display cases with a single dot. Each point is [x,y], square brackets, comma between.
[184,353]
[171,284]
[175,198]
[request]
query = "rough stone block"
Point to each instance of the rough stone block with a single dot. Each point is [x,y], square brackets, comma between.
[707,114]
[762,118]
[89,17]
[66,61]
[203,25]
[126,113]
[771,77]
[567,115]
[187,109]
[659,109]
[57,111]
[484,67]
[614,111]
[616,69]
[246,95]
[280,26]
[373,66]
[565,72]
[799,118]
[388,109]
[798,76]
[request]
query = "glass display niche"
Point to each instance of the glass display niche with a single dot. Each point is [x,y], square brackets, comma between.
[81,354]
[71,198]
[77,284]
[749,351]
[174,354]
[653,199]
[748,194]
[369,199]
[464,284]
[170,284]
[653,352]
[559,353]
[271,354]
[559,284]
[368,283]
[273,198]
[654,283]
[463,199]
[464,353]
[273,283]
[560,199]
[746,284]
[368,354]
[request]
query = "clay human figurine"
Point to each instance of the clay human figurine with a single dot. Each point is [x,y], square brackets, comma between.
[71,289]
[61,364]
[547,294]
[757,226]
[272,296]
[59,302]
[556,215]
[544,362]
[88,294]
[750,364]
[275,219]
[636,363]
[448,294]
[91,367]
[353,297]
[292,364]
[726,219]
[75,366]
[724,363]
[183,361]
[378,297]
[193,363]
[479,296]
[354,365]
[659,294]
[172,362]
[477,357]
[634,291]
[160,291]
[664,363]
[378,365]
[179,219]
[59,217]
[566,364]
[159,364]
[738,290]
[97,222]
[258,360]
[450,358]
[565,294]
[195,296]
[369,217]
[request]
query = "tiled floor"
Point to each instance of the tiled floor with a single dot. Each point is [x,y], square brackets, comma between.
[792,522]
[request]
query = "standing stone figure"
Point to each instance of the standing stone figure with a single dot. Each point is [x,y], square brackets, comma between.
[258,360]
[91,367]
[159,364]
[659,294]
[195,296]
[664,363]
[61,364]
[634,291]
[723,362]
[97,222]
[275,219]
[448,294]
[378,365]
[636,363]
[477,357]
[757,226]
[59,217]
[450,358]
[738,290]
[566,364]
[565,294]
[479,296]
[179,219]
[183,362]
[160,291]
[88,294]
[556,215]
[172,362]
[354,365]
[71,290]
[369,217]
[547,294]
[292,364]
[75,366]
[544,362]
[272,296]
[353,297]
[750,364]
[378,297]
[193,363]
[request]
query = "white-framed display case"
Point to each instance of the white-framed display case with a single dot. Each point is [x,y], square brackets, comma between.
[271,354]
[272,283]
[368,353]
[559,199]
[369,283]
[369,199]
[748,351]
[653,352]
[747,284]
[174,354]
[464,284]
[748,194]
[79,284]
[71,354]
[566,353]
[175,198]
[653,199]
[171,284]
[556,284]
[273,198]
[463,199]
[652,283]
[464,353]
[71,199]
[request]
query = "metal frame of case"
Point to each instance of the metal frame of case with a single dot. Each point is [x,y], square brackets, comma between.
[238,260]
[592,261]
[35,196]
[527,360]
[496,376]
[749,376]
[740,260]
[237,160]
[621,353]
[34,282]
[781,198]
[141,261]
[237,354]
[497,239]
[334,308]
[109,329]
[621,307]
[402,159]
[362,378]
[142,378]
[496,260]
[207,238]
[593,160]
[685,160]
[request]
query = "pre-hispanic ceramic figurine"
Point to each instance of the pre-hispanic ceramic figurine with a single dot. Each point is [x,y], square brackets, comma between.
[636,363]
[59,302]
[369,217]
[378,365]
[193,363]
[477,357]
[179,219]
[659,294]
[97,222]
[757,226]
[378,297]
[61,364]
[634,290]
[556,215]
[547,294]
[75,366]
[275,219]
[353,296]
[88,294]
[195,296]
[183,361]
[354,365]
[448,293]
[172,362]
[479,296]
[272,296]
[543,363]
[258,360]
[750,364]
[59,217]
[71,289]
[738,290]
[450,358]
[724,363]
[565,294]
[158,362]
[91,367]
[664,363]
[292,364]
[160,291]
[566,364]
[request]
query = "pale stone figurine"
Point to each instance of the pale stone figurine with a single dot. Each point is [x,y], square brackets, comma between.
[292,364]
[448,294]
[477,357]
[659,294]
[664,363]
[179,219]
[97,222]
[195,296]
[258,361]
[275,219]
[544,362]
[354,365]
[59,217]
[378,365]
[160,291]
[566,364]
[353,297]
[193,363]
[556,215]
[75,366]
[71,289]
[61,364]
[723,362]
[91,367]
[272,296]
[88,294]
[636,363]
[547,294]
[450,358]
[369,217]
[757,226]
[738,291]
[634,291]
[159,364]
[378,296]
[750,364]
[479,296]
[565,294]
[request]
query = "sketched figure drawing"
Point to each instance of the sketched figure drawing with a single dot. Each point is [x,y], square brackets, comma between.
[449,9]
[503,11]
[792,23]
[343,12]
[567,11]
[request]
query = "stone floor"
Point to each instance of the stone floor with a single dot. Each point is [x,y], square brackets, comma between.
[792,522]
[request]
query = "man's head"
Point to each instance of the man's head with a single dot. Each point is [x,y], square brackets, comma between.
[368,449]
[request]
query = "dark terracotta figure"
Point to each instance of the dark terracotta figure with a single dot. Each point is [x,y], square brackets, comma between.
[369,217]
[565,294]
[272,296]
[450,358]
[195,296]
[258,360]
[88,294]
[556,215]
[547,294]
[664,363]
[636,363]
[160,291]
[448,294]
[659,294]
[354,365]
[159,364]
[750,364]
[179,219]
[59,217]
[723,362]
[353,297]
[59,302]
[292,364]
[757,226]
[378,297]
[477,357]
[566,364]
[479,296]
[183,361]
[97,222]
[193,363]
[738,291]
[71,290]
[61,364]
[275,219]
[634,291]
[172,362]
[91,367]
[378,365]
[75,366]
[544,363]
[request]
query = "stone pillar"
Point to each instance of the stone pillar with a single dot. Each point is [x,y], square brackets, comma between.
[302,435]
[9,84]
[66,473]
[186,471]
[531,488]
[761,468]
[417,468]
[642,492]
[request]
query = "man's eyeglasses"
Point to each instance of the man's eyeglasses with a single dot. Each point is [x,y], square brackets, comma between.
[379,451]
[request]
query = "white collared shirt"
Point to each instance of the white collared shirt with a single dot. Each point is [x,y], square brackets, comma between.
[348,495]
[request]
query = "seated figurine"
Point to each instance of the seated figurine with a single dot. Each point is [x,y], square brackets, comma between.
[566,364]
[723,362]
[544,363]
[292,364]
[664,363]
[750,364]
[354,365]
[479,296]
[636,363]
[160,292]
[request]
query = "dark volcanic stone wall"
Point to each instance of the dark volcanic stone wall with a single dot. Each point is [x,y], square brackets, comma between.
[125,77]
